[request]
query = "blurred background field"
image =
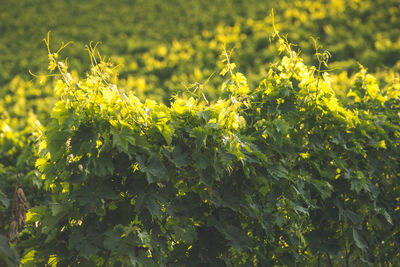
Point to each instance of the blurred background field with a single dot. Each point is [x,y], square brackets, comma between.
[162,47]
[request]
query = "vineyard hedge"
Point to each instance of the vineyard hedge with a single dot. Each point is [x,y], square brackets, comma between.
[282,174]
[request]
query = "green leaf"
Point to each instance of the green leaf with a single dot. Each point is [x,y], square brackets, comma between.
[100,211]
[88,249]
[280,219]
[153,167]
[58,209]
[123,138]
[75,239]
[141,259]
[205,114]
[354,217]
[112,238]
[208,176]
[238,239]
[359,240]
[287,106]
[187,233]
[153,205]
[142,142]
[156,168]
[106,191]
[145,238]
[56,141]
[278,171]
[167,132]
[178,156]
[299,208]
[385,214]
[103,164]
[281,126]
[80,242]
[8,254]
[203,159]
[323,187]
[200,135]
[28,259]
[4,200]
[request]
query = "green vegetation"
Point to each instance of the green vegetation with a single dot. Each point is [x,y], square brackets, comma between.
[175,150]
[164,46]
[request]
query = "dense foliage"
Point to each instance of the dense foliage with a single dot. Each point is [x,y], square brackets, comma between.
[281,174]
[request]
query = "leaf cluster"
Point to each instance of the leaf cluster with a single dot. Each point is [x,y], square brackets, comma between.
[281,174]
